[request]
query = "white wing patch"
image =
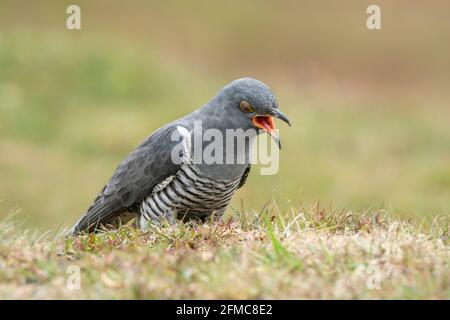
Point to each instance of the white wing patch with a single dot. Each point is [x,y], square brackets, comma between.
[186,143]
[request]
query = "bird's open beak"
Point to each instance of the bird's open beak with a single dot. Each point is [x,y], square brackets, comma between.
[265,122]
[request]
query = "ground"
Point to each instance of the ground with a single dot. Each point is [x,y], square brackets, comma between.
[315,253]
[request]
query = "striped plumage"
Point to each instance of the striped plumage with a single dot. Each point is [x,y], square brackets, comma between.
[188,195]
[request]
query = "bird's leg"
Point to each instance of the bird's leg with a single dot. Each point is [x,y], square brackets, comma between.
[169,216]
[146,219]
[215,217]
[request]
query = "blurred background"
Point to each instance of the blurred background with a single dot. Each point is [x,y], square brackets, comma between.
[370,109]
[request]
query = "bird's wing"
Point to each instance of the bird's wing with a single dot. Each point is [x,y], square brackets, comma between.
[245,176]
[133,180]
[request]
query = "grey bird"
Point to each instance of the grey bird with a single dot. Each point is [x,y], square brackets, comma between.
[160,179]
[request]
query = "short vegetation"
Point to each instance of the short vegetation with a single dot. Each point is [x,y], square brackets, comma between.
[313,253]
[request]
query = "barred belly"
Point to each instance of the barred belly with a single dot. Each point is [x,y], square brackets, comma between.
[188,195]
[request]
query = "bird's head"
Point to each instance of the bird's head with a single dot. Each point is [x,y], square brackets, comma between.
[250,104]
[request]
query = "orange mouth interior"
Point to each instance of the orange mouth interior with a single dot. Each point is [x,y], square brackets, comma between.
[264,122]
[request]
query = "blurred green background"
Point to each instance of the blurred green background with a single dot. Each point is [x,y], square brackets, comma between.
[370,109]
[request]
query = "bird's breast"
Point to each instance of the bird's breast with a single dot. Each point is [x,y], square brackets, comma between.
[191,193]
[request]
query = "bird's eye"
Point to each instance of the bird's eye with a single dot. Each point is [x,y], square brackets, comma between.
[246,107]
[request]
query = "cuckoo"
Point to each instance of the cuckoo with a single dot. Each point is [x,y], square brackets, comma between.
[163,179]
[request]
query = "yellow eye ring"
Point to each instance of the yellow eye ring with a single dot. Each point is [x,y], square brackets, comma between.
[246,107]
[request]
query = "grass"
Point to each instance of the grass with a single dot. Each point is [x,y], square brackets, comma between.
[313,253]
